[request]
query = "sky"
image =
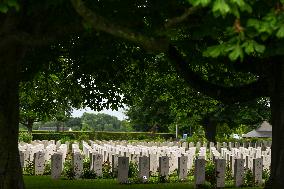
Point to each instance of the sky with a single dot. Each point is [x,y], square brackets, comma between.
[119,114]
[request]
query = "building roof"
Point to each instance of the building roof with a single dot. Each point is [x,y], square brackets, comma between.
[263,131]
[265,126]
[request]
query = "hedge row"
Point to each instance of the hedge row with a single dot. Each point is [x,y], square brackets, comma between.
[100,135]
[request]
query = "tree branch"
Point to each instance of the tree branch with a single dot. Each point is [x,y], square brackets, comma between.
[33,40]
[101,24]
[177,20]
[259,66]
[250,64]
[227,95]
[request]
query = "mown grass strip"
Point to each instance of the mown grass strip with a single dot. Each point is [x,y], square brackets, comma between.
[45,182]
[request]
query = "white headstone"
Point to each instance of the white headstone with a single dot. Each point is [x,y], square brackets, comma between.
[153,163]
[97,160]
[114,164]
[220,168]
[78,164]
[123,166]
[239,172]
[144,168]
[164,166]
[56,165]
[182,167]
[257,171]
[39,161]
[199,172]
[22,158]
[232,164]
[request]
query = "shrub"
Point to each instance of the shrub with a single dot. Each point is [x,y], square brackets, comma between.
[25,137]
[86,163]
[64,139]
[210,175]
[133,170]
[88,174]
[163,179]
[265,175]
[84,137]
[47,168]
[68,170]
[153,179]
[30,168]
[228,174]
[133,173]
[191,171]
[107,172]
[173,177]
[191,174]
[47,135]
[197,137]
[248,178]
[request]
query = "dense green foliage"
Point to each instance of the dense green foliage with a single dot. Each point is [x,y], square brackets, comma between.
[68,169]
[100,122]
[87,122]
[45,97]
[164,100]
[25,137]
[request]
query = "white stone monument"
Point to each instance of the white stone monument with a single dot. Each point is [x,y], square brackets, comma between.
[114,165]
[153,163]
[239,172]
[144,168]
[220,168]
[199,172]
[182,167]
[77,164]
[56,165]
[39,161]
[97,160]
[123,167]
[257,171]
[164,166]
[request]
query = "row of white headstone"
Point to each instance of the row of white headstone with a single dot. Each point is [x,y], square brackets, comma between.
[183,161]
[198,145]
[165,159]
[248,155]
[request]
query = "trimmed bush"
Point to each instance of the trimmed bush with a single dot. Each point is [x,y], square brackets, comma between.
[25,137]
[99,135]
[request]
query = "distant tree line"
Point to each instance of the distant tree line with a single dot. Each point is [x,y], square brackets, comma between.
[87,122]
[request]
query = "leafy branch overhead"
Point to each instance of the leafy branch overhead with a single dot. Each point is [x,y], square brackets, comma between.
[8,4]
[237,39]
[101,24]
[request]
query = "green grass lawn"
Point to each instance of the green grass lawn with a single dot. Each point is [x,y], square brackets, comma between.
[45,182]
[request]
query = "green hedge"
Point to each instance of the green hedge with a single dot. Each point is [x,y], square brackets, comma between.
[99,135]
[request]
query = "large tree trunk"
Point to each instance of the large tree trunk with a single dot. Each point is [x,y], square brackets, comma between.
[277,117]
[10,170]
[59,126]
[29,125]
[209,126]
[30,128]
